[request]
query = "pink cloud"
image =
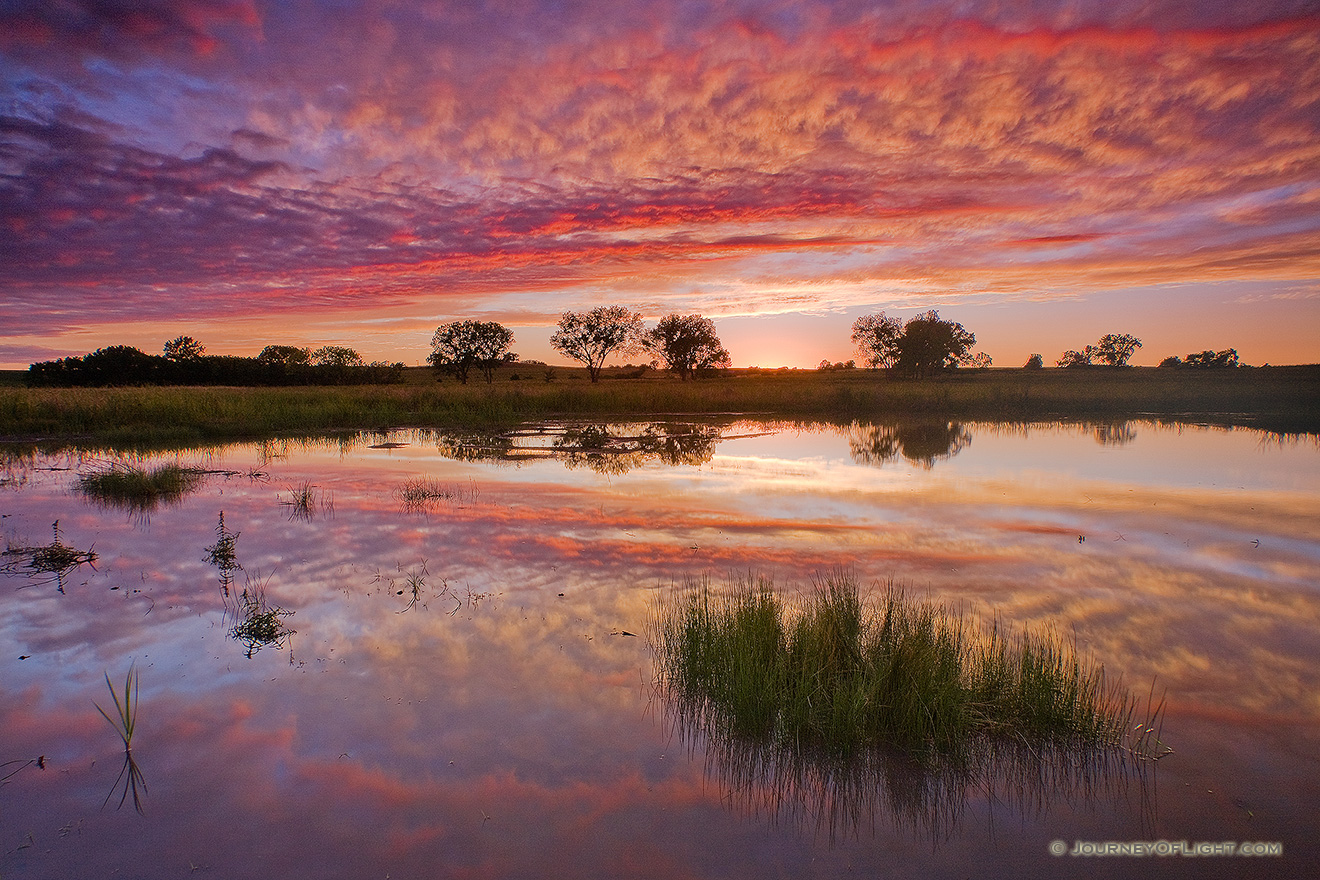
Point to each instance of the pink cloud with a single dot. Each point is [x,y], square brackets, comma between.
[430,160]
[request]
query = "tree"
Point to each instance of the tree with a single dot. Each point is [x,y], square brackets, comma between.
[1035,362]
[336,356]
[459,346]
[184,348]
[285,355]
[876,338]
[687,344]
[1072,358]
[591,337]
[930,345]
[1226,358]
[1115,349]
[118,365]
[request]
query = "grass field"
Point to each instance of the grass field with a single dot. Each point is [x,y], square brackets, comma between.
[1284,399]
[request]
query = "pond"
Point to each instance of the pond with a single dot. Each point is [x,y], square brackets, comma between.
[412,654]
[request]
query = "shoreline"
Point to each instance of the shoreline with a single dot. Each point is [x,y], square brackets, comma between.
[1283,400]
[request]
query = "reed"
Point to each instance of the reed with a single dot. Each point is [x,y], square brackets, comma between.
[838,673]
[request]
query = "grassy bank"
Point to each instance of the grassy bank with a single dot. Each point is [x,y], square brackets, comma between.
[1276,398]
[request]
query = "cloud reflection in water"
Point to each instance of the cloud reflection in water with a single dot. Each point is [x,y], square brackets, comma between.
[339,750]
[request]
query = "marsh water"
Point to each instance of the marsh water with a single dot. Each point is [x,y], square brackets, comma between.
[455,677]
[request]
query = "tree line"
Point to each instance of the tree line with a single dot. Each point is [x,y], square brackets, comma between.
[184,361]
[687,345]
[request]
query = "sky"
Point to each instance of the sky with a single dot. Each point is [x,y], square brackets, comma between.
[317,172]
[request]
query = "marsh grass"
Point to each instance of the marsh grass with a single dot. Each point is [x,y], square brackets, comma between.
[124,722]
[422,494]
[306,500]
[839,674]
[138,488]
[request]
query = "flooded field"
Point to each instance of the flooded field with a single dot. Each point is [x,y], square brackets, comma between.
[410,654]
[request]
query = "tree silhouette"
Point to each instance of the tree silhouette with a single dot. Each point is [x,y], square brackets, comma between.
[336,356]
[285,355]
[459,346]
[184,348]
[1214,359]
[687,344]
[1072,358]
[1115,349]
[591,337]
[1035,362]
[929,345]
[876,338]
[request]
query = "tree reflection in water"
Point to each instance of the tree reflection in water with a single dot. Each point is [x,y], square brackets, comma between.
[606,452]
[922,443]
[604,448]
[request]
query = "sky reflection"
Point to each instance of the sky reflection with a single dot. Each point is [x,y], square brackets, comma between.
[506,713]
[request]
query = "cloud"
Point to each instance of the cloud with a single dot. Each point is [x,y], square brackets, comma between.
[122,28]
[441,156]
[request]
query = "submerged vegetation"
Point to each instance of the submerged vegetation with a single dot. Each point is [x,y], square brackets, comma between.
[841,674]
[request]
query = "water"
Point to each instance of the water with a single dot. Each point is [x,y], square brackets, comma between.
[467,685]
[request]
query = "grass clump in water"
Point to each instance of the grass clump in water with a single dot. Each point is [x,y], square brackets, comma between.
[840,673]
[55,558]
[257,622]
[422,494]
[139,488]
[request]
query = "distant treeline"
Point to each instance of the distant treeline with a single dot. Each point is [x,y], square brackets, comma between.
[125,365]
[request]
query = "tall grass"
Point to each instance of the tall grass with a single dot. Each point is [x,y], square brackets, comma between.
[839,674]
[1276,398]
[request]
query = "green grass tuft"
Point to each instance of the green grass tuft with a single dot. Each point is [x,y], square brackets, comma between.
[839,674]
[139,488]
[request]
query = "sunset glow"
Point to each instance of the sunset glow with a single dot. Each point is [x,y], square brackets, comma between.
[253,172]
